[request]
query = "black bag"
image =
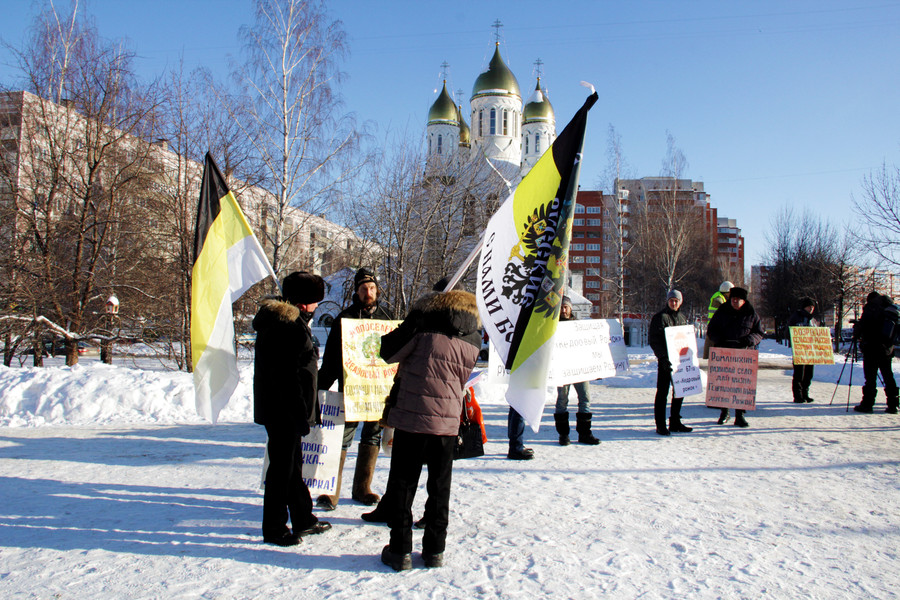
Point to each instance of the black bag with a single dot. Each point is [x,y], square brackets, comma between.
[469,443]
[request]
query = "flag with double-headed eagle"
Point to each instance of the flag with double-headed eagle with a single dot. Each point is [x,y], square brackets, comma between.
[523,266]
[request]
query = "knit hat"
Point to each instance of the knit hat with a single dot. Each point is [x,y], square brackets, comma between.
[674,294]
[804,302]
[364,275]
[301,287]
[566,300]
[737,292]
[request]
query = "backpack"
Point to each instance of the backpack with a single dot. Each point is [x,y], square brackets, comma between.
[890,328]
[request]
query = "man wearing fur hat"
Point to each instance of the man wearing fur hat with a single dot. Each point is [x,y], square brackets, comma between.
[735,325]
[670,316]
[803,374]
[364,306]
[284,401]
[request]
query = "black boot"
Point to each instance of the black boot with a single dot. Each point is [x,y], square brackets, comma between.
[562,427]
[723,416]
[583,427]
[739,420]
[675,424]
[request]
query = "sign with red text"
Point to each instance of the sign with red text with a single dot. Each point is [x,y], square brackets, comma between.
[367,378]
[812,346]
[731,381]
[681,344]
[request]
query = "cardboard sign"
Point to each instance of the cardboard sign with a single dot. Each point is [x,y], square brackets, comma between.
[731,382]
[812,346]
[582,351]
[367,378]
[321,447]
[681,344]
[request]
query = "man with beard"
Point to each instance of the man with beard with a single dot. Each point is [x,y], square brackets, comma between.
[735,325]
[364,306]
[284,401]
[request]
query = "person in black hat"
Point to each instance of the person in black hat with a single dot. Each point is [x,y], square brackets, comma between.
[735,325]
[878,352]
[803,374]
[670,316]
[364,305]
[284,401]
[561,413]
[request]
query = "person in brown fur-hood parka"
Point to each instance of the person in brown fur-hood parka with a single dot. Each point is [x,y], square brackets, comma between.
[436,357]
[284,401]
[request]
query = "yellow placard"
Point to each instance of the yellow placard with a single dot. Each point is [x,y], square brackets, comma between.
[812,346]
[367,378]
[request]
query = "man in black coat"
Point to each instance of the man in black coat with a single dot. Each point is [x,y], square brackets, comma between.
[364,306]
[877,351]
[735,325]
[284,401]
[803,374]
[670,316]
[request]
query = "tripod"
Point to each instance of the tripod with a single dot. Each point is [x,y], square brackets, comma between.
[850,352]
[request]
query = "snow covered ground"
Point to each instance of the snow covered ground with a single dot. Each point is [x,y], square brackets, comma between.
[112,488]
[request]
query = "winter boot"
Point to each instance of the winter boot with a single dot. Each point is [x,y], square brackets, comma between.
[362,477]
[583,427]
[675,424]
[379,515]
[893,403]
[562,427]
[797,391]
[739,420]
[395,560]
[723,416]
[326,502]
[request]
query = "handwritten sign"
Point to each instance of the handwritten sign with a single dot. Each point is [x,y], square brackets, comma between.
[732,378]
[812,346]
[681,343]
[582,351]
[367,378]
[321,447]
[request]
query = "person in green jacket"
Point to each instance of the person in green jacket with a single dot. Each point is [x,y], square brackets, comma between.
[717,300]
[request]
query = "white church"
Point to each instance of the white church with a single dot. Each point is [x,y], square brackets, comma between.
[509,135]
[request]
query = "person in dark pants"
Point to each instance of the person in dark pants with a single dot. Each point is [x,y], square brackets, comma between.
[735,325]
[284,401]
[561,413]
[515,431]
[803,374]
[434,365]
[878,352]
[670,316]
[365,305]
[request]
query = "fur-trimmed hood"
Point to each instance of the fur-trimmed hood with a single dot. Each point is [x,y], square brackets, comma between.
[454,313]
[275,312]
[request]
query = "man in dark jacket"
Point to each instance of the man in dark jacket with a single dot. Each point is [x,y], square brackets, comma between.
[735,325]
[877,351]
[561,413]
[284,401]
[434,365]
[364,306]
[803,374]
[670,316]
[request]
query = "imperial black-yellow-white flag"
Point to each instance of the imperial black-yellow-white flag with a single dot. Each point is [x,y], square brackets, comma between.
[523,266]
[227,261]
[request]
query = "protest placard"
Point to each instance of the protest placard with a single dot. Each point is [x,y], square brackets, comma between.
[812,346]
[582,351]
[321,447]
[731,382]
[367,378]
[681,344]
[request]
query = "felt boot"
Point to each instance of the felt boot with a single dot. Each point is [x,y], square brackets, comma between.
[583,427]
[330,502]
[362,477]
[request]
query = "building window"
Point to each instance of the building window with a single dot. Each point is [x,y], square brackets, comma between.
[537,143]
[526,144]
[593,273]
[493,121]
[439,144]
[480,123]
[592,284]
[593,210]
[577,259]
[579,209]
[593,296]
[505,122]
[593,259]
[429,144]
[578,222]
[577,247]
[593,246]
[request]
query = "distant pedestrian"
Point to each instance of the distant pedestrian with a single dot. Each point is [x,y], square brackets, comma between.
[670,316]
[803,374]
[876,344]
[561,414]
[735,325]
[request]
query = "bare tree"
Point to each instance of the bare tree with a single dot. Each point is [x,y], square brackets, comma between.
[303,142]
[879,209]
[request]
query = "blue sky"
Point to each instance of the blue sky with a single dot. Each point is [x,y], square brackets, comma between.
[773,103]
